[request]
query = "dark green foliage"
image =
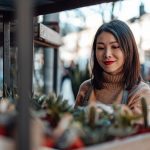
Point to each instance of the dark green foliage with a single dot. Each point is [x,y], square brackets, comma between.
[54,107]
[77,77]
[51,102]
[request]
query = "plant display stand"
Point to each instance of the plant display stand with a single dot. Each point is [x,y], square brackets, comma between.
[138,142]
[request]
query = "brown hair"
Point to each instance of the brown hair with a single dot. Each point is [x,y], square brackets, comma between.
[127,43]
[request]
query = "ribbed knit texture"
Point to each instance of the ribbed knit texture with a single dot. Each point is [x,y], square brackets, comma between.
[112,90]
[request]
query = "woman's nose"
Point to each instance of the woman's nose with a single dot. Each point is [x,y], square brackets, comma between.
[107,53]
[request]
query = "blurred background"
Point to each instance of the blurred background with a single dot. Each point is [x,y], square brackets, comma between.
[61,69]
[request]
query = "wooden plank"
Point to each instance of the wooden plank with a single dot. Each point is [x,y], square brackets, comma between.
[41,43]
[55,73]
[48,35]
[62,5]
[46,7]
[139,142]
[6,143]
[43,36]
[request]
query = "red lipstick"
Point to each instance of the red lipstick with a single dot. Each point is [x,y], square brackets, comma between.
[108,62]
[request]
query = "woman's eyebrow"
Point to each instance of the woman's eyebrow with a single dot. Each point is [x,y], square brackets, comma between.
[99,43]
[109,42]
[113,42]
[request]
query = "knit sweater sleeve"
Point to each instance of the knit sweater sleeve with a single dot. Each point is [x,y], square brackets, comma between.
[135,96]
[83,89]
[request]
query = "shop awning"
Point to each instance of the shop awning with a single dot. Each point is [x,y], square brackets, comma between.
[42,7]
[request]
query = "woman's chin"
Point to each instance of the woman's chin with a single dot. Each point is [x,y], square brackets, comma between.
[112,72]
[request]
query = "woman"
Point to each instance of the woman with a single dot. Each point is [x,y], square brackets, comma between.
[116,69]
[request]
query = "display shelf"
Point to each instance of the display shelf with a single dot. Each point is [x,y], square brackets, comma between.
[138,142]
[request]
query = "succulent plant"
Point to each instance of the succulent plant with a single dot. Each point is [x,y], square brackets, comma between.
[88,125]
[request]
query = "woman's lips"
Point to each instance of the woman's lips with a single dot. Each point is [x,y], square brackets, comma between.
[108,62]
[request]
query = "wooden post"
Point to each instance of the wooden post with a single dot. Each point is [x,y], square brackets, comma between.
[51,80]
[25,66]
[6,55]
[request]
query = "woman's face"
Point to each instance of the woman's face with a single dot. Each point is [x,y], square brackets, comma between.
[108,53]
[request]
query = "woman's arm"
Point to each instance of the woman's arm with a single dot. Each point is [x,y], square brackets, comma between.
[84,87]
[135,96]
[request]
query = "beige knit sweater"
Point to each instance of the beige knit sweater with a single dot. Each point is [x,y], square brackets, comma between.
[112,93]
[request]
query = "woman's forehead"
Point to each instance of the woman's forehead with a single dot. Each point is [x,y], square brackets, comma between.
[106,36]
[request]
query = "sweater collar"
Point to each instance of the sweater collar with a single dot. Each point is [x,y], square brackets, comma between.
[112,81]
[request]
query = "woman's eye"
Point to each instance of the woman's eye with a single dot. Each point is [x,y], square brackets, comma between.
[100,48]
[115,47]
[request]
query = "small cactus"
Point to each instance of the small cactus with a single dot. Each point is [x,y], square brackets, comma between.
[144,111]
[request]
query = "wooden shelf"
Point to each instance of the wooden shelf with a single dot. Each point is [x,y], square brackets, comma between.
[45,36]
[139,142]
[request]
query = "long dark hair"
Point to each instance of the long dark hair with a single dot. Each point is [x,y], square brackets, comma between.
[127,43]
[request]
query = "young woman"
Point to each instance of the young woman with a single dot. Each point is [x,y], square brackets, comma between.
[115,69]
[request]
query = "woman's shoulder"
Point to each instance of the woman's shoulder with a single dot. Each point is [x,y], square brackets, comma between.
[86,85]
[142,86]
[83,90]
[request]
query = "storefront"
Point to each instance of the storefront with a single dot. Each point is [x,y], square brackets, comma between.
[25,11]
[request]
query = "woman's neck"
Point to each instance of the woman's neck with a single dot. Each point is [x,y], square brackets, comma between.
[112,80]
